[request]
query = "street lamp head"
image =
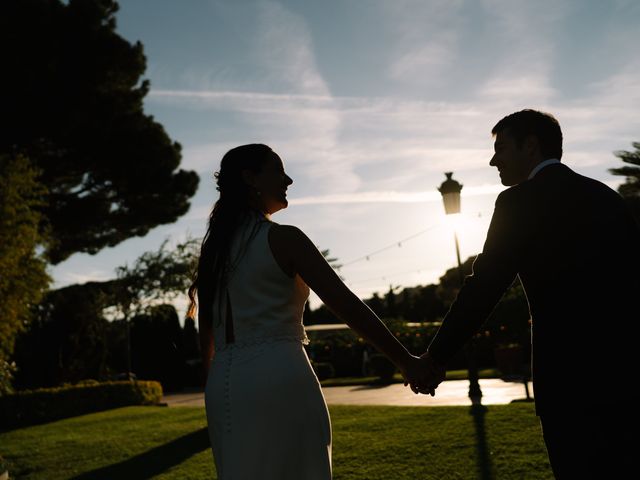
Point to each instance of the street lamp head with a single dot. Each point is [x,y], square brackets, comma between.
[450,190]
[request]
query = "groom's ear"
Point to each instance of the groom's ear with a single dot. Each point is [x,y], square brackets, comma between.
[531,145]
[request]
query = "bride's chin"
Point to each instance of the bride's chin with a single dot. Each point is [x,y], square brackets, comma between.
[280,206]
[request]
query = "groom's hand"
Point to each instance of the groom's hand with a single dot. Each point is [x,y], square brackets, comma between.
[432,375]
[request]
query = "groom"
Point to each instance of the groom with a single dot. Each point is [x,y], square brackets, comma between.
[576,249]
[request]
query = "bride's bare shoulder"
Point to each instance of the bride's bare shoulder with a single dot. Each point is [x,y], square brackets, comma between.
[290,242]
[290,246]
[286,234]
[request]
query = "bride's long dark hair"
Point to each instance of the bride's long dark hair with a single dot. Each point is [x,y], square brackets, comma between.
[231,209]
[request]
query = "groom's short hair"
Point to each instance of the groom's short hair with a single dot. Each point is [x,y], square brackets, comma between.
[542,125]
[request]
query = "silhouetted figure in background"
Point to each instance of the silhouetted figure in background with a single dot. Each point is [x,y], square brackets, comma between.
[576,248]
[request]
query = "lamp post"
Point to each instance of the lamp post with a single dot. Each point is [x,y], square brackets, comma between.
[450,190]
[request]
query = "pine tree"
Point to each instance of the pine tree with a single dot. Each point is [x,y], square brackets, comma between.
[630,189]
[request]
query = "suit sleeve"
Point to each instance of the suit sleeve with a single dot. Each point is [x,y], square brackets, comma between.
[493,272]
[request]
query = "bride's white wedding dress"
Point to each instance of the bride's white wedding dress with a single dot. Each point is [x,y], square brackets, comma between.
[266,414]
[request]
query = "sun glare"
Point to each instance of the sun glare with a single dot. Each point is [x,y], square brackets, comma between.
[455,221]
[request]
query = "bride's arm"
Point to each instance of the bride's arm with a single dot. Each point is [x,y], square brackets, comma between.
[297,254]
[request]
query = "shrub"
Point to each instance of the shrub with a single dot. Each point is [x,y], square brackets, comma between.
[381,367]
[324,370]
[30,407]
[7,371]
[342,348]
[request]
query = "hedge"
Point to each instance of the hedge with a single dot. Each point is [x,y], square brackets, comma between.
[382,367]
[29,407]
[323,370]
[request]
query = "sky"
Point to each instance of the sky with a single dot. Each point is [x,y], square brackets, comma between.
[368,103]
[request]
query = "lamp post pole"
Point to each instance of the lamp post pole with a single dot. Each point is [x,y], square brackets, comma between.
[450,190]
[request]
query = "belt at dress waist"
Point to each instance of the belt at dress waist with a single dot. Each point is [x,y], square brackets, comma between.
[252,342]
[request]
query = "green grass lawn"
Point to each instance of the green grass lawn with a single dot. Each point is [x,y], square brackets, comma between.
[494,442]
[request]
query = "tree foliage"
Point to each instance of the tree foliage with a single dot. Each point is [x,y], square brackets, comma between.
[73,339]
[68,339]
[156,347]
[23,277]
[630,190]
[72,100]
[451,281]
[190,340]
[155,277]
[333,261]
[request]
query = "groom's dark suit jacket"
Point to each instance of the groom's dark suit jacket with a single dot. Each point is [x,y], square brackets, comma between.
[576,248]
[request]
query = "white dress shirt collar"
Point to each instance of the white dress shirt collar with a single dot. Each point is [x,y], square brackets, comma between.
[541,165]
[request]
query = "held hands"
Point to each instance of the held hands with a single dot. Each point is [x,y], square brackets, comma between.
[424,374]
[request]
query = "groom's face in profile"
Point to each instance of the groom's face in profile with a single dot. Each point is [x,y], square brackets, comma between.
[510,159]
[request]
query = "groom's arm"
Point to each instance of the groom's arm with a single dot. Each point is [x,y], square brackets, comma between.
[493,272]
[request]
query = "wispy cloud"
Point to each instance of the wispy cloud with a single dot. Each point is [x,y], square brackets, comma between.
[233,97]
[286,50]
[425,36]
[392,197]
[308,133]
[521,69]
[405,140]
[70,277]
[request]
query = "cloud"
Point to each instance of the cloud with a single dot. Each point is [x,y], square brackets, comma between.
[525,23]
[524,35]
[307,134]
[391,196]
[390,143]
[518,88]
[425,36]
[286,50]
[71,277]
[348,145]
[238,98]
[424,63]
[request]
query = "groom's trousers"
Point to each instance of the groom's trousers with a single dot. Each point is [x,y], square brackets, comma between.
[601,442]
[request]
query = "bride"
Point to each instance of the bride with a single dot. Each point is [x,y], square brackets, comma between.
[266,414]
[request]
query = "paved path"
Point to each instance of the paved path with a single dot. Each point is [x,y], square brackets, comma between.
[451,392]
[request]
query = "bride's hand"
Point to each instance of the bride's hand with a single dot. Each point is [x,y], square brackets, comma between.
[413,372]
[423,374]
